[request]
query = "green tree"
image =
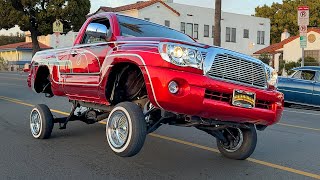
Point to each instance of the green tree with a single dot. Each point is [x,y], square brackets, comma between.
[281,66]
[10,39]
[37,16]
[284,16]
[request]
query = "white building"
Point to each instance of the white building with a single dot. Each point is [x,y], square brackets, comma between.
[289,48]
[242,33]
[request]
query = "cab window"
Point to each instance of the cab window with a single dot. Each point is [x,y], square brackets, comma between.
[96,32]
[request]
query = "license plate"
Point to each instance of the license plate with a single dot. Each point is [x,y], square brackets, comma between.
[244,99]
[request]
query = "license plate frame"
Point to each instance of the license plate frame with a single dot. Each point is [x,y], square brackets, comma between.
[244,99]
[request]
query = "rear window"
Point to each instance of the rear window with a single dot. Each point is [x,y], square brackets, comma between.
[132,27]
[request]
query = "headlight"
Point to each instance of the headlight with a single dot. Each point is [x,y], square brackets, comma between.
[181,55]
[272,78]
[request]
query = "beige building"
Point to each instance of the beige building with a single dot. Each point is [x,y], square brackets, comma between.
[52,40]
[18,54]
[289,48]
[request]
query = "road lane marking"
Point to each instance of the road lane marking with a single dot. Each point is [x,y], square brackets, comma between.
[315,114]
[64,113]
[20,79]
[30,105]
[264,163]
[301,127]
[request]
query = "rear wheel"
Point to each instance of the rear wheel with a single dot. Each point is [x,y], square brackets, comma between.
[41,122]
[126,129]
[241,142]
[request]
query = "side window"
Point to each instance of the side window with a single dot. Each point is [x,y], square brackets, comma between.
[97,31]
[308,75]
[297,75]
[305,75]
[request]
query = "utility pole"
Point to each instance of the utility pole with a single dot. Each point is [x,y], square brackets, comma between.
[217,24]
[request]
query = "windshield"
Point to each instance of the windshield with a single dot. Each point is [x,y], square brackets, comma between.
[132,27]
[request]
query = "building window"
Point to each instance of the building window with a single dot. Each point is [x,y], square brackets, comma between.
[167,23]
[260,37]
[196,31]
[212,31]
[147,19]
[231,34]
[313,54]
[206,30]
[183,27]
[189,29]
[246,33]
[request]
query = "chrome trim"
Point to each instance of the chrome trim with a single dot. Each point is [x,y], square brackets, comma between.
[297,92]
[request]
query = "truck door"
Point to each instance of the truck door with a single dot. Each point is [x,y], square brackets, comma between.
[87,59]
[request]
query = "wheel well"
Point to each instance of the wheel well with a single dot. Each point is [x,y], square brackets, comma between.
[125,83]
[42,82]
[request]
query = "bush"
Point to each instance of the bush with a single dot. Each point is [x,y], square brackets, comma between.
[309,61]
[290,65]
[3,64]
[265,58]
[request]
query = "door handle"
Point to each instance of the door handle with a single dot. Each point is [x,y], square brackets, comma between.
[73,53]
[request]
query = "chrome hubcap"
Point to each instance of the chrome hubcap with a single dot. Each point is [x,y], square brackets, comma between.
[235,138]
[117,129]
[35,123]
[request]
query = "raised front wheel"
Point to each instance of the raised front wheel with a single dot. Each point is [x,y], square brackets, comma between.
[241,142]
[126,129]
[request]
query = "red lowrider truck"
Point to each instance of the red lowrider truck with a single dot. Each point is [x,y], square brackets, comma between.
[136,75]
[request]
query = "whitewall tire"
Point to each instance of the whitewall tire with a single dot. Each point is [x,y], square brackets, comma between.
[126,129]
[41,122]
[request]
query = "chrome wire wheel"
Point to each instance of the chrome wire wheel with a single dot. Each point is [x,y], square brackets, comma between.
[35,123]
[235,139]
[118,129]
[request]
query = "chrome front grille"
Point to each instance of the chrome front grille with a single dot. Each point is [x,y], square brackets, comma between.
[238,70]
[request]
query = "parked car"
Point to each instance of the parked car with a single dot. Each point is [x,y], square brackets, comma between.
[302,87]
[137,75]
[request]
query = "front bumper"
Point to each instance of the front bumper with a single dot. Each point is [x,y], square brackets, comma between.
[192,99]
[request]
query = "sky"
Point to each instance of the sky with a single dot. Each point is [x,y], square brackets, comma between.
[235,6]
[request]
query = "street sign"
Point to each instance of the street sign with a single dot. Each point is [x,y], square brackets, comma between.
[303,29]
[303,41]
[57,26]
[303,15]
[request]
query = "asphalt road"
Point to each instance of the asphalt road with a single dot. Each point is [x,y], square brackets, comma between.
[288,150]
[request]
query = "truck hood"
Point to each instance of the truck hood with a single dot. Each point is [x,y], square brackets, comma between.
[157,40]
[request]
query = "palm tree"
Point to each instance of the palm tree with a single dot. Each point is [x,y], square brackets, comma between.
[217,24]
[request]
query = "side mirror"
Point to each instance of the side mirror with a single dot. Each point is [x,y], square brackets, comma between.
[98,30]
